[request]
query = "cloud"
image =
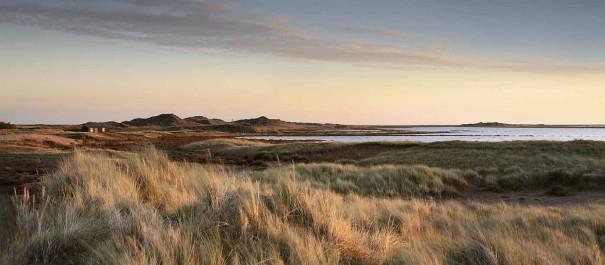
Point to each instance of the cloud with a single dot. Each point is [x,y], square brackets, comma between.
[380,32]
[213,25]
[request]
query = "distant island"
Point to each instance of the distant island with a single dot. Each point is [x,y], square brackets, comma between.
[509,125]
[496,124]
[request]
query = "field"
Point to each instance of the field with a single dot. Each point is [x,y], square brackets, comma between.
[411,132]
[166,197]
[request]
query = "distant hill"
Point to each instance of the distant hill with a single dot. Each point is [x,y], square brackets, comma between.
[205,121]
[261,121]
[107,124]
[173,122]
[264,124]
[162,120]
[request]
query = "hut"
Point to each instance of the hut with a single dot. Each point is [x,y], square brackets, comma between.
[94,128]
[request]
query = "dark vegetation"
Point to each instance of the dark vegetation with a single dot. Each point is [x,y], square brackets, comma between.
[7,125]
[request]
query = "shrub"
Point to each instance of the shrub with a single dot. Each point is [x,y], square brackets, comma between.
[7,125]
[559,191]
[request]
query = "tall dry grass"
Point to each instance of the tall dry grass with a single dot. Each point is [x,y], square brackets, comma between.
[383,180]
[142,208]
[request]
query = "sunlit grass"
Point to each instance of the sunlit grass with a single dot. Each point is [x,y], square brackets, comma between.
[142,208]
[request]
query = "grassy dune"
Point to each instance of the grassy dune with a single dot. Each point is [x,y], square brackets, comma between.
[142,208]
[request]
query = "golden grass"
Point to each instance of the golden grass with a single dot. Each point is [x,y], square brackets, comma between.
[142,208]
[222,144]
[383,180]
[37,140]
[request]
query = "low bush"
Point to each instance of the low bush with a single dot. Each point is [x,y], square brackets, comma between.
[559,191]
[7,125]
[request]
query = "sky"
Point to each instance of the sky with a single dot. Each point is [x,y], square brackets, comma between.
[339,61]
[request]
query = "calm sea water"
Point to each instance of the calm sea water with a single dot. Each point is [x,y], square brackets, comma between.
[439,134]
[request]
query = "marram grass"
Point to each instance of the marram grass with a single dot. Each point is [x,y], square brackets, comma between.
[142,208]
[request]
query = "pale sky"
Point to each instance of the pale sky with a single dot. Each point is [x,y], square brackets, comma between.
[341,61]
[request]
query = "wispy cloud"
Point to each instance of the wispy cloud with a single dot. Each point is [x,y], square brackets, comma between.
[213,25]
[380,32]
